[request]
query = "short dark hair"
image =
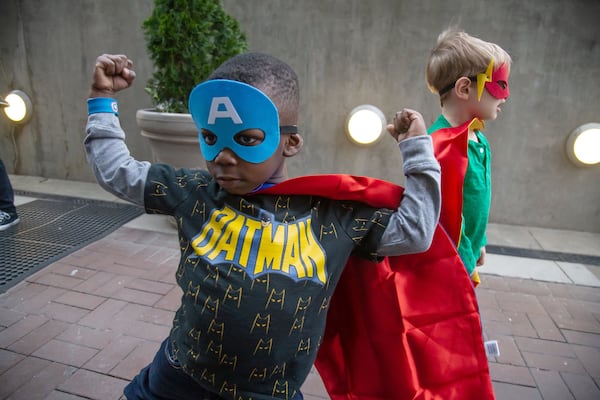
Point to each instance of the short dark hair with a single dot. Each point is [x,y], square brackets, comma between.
[266,72]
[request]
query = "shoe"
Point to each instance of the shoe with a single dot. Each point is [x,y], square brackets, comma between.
[7,220]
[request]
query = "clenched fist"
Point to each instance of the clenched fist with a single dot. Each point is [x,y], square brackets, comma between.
[407,123]
[112,73]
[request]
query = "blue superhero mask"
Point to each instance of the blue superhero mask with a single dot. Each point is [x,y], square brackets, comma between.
[225,108]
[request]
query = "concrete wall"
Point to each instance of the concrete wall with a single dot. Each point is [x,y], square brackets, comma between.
[346,52]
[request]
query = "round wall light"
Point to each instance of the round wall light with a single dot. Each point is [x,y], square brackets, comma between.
[583,145]
[365,124]
[18,110]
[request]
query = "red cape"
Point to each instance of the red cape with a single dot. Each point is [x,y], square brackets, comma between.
[405,328]
[450,146]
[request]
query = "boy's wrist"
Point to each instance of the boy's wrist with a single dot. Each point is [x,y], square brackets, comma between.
[410,136]
[96,92]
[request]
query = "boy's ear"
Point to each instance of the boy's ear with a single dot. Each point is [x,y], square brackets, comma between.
[292,145]
[463,88]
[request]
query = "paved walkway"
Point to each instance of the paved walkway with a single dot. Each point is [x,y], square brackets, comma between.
[83,326]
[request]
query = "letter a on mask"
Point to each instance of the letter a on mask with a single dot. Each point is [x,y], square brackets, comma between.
[227,111]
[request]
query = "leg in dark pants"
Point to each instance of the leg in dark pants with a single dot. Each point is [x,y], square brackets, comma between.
[7,196]
[8,211]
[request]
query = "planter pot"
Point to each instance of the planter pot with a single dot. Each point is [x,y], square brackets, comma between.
[173,138]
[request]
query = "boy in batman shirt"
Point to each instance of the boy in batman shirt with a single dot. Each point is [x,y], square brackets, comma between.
[257,270]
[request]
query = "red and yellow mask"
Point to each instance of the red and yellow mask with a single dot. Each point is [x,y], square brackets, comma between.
[495,81]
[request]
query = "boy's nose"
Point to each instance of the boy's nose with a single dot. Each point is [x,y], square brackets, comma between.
[226,156]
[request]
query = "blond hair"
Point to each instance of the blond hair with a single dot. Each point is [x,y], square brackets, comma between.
[459,54]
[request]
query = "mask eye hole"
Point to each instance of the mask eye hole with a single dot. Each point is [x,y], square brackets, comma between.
[249,137]
[502,84]
[209,137]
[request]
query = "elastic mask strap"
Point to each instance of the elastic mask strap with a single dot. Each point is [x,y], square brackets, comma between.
[288,129]
[452,85]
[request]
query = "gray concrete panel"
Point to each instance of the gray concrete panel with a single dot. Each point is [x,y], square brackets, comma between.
[346,52]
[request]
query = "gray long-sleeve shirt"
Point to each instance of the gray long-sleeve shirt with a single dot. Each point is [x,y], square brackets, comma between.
[410,229]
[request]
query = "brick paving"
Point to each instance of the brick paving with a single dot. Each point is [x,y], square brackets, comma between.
[83,326]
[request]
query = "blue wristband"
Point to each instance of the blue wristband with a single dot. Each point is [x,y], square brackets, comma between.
[102,105]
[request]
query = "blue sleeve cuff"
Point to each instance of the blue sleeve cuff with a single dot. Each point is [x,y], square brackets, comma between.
[102,105]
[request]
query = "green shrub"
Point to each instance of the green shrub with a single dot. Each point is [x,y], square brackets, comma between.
[187,40]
